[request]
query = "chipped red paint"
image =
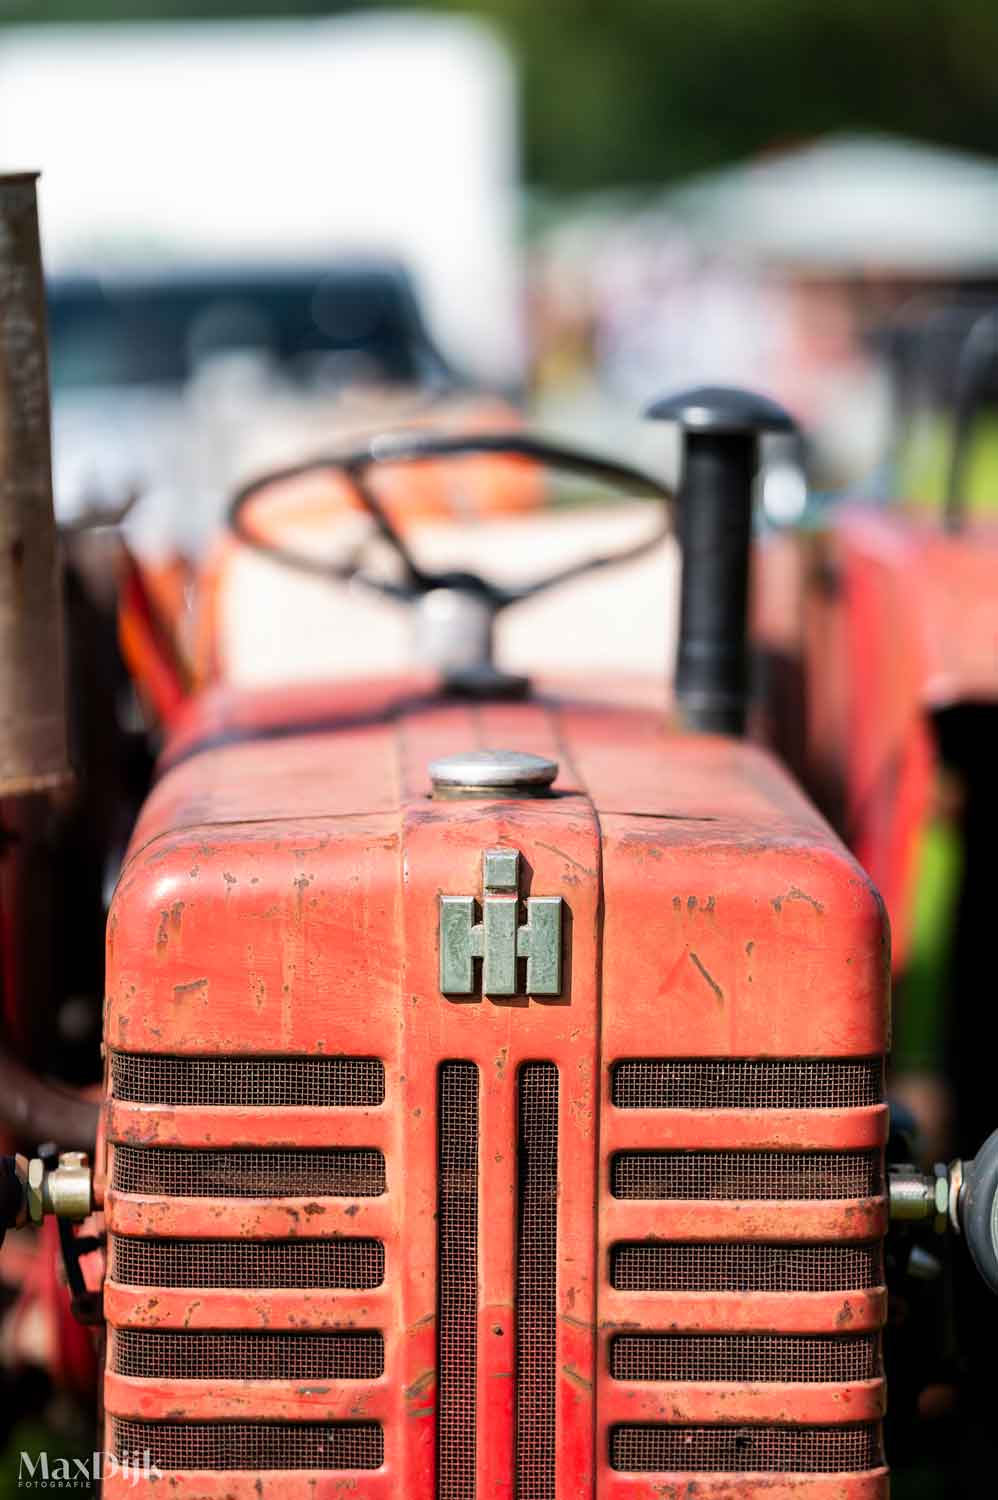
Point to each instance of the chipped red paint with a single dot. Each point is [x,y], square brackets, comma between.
[280,897]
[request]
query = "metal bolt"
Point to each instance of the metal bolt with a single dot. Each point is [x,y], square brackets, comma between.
[911,1193]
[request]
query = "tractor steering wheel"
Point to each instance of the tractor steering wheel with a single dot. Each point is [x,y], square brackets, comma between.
[418,581]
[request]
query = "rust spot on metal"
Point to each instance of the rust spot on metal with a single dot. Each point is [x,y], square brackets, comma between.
[579,1381]
[189,988]
[796,894]
[162,933]
[719,993]
[419,1385]
[576,865]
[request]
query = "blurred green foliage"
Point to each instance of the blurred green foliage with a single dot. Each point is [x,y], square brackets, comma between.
[646,90]
[924,459]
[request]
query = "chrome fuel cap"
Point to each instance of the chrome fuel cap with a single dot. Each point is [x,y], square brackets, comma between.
[502,773]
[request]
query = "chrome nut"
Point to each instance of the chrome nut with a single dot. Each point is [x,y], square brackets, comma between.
[35,1190]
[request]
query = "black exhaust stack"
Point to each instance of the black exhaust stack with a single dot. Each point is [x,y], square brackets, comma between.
[721,430]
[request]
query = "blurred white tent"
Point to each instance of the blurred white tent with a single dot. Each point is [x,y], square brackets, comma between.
[849,204]
[281,142]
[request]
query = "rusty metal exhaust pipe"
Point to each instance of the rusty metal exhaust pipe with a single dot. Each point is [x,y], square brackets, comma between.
[34,760]
[33,752]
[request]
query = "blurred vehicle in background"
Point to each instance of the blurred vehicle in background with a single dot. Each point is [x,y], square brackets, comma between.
[282,143]
[261,195]
[156,377]
[880,628]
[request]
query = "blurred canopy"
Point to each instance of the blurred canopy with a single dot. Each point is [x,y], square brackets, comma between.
[639,91]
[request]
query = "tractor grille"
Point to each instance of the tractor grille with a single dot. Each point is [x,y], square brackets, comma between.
[659,1083]
[314,1082]
[745,1268]
[247,1356]
[744,1175]
[457,1208]
[536,1282]
[310,1358]
[755,1357]
[248,1174]
[251,1445]
[342,1264]
[745,1450]
[752,1357]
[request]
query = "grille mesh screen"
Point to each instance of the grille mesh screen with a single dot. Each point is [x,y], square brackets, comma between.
[248,1174]
[749,1356]
[247,1356]
[660,1083]
[251,1445]
[745,1268]
[745,1174]
[536,1280]
[745,1450]
[458,1280]
[325,1082]
[345,1264]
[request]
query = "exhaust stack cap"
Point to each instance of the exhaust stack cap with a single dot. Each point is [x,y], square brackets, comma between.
[722,408]
[484,773]
[721,430]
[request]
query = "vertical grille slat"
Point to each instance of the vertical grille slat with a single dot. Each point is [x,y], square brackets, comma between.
[536,1282]
[457,1206]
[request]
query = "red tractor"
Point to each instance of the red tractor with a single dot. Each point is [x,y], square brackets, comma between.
[494,1076]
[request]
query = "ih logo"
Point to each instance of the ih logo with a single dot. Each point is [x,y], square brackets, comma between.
[499,939]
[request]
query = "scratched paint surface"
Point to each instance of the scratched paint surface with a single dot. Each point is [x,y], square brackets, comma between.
[281,897]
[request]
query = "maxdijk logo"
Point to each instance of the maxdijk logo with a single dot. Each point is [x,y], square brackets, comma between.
[40,1472]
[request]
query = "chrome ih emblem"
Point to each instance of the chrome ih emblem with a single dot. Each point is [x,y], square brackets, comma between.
[499,939]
